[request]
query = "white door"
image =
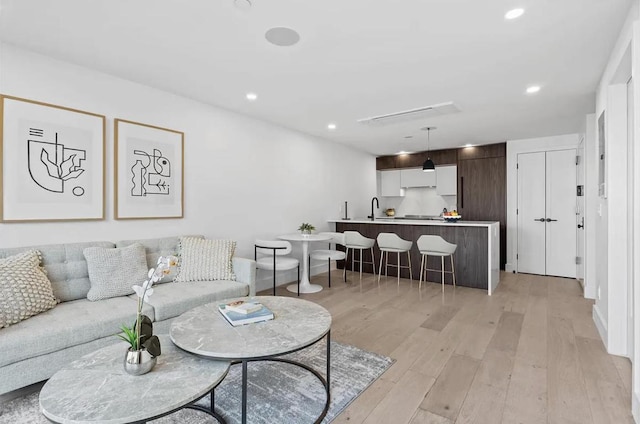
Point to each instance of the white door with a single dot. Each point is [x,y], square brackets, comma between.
[547,213]
[561,213]
[531,213]
[580,246]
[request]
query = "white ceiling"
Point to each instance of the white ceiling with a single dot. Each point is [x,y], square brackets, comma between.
[355,59]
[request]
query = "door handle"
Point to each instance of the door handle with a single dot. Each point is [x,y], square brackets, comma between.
[551,220]
[580,226]
[540,220]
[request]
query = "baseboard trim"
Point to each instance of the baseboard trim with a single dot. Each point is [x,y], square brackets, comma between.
[601,325]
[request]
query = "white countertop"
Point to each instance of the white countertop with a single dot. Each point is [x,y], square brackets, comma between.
[393,221]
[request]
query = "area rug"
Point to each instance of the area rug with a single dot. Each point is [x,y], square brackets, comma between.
[277,392]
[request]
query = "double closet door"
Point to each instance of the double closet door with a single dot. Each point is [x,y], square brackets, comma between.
[547,213]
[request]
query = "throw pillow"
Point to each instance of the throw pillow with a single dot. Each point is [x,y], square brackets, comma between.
[113,272]
[203,260]
[25,290]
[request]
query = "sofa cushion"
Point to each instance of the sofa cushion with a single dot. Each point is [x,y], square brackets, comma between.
[68,324]
[25,290]
[172,300]
[113,272]
[65,266]
[203,260]
[157,247]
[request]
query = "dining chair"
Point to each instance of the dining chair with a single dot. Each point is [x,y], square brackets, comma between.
[273,258]
[329,255]
[391,242]
[430,245]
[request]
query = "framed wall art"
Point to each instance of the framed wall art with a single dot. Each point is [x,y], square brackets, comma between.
[149,171]
[51,162]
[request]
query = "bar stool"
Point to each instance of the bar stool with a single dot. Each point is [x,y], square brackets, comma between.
[273,258]
[355,241]
[330,255]
[391,242]
[435,246]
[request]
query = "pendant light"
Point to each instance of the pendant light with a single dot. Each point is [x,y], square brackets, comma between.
[428,165]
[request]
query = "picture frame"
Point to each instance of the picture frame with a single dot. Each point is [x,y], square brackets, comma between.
[52,162]
[149,171]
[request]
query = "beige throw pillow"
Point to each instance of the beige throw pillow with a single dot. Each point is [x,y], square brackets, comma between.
[204,260]
[113,271]
[25,290]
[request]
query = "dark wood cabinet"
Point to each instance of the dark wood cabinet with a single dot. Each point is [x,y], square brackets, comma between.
[482,181]
[482,194]
[415,160]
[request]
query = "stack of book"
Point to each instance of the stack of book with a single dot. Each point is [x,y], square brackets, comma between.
[242,312]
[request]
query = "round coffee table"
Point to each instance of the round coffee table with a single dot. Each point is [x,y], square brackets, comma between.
[297,324]
[96,389]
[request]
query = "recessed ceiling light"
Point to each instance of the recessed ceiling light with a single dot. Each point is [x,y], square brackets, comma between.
[281,36]
[331,126]
[533,89]
[514,13]
[252,97]
[468,145]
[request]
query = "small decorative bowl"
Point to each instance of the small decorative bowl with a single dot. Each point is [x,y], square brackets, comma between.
[452,218]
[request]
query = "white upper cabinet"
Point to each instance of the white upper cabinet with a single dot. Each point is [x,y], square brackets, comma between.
[446,180]
[390,184]
[417,178]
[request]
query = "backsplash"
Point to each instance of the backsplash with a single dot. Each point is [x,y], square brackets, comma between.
[418,201]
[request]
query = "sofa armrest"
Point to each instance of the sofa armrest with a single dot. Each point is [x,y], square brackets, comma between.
[245,271]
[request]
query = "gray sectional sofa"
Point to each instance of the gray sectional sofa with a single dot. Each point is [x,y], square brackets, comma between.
[34,349]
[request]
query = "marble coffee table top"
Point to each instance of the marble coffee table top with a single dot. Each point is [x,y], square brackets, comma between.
[96,389]
[298,323]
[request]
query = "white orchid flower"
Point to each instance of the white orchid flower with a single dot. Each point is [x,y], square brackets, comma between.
[143,292]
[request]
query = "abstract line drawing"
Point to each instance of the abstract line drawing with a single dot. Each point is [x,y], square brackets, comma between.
[150,173]
[53,164]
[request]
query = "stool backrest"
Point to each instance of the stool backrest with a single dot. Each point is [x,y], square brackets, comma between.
[393,241]
[273,247]
[354,238]
[336,238]
[435,244]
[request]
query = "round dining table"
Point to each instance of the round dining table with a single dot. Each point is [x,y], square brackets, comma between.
[305,239]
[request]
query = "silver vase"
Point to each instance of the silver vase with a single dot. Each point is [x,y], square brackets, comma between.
[138,362]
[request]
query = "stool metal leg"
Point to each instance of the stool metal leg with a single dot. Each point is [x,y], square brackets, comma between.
[398,269]
[442,261]
[421,270]
[410,271]
[380,269]
[346,261]
[329,271]
[453,271]
[373,261]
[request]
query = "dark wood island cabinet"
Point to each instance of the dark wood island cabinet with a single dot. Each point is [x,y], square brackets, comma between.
[476,259]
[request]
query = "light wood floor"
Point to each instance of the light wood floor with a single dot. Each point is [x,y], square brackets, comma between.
[528,354]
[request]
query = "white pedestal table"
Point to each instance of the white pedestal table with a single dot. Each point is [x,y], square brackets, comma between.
[305,284]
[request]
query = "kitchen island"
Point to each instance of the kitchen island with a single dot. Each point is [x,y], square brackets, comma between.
[477,258]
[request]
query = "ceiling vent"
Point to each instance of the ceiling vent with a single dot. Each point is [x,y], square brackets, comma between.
[410,115]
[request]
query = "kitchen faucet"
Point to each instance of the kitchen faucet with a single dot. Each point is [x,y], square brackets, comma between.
[377,205]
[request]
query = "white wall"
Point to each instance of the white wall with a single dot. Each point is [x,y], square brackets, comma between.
[611,210]
[591,204]
[612,271]
[244,178]
[515,147]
